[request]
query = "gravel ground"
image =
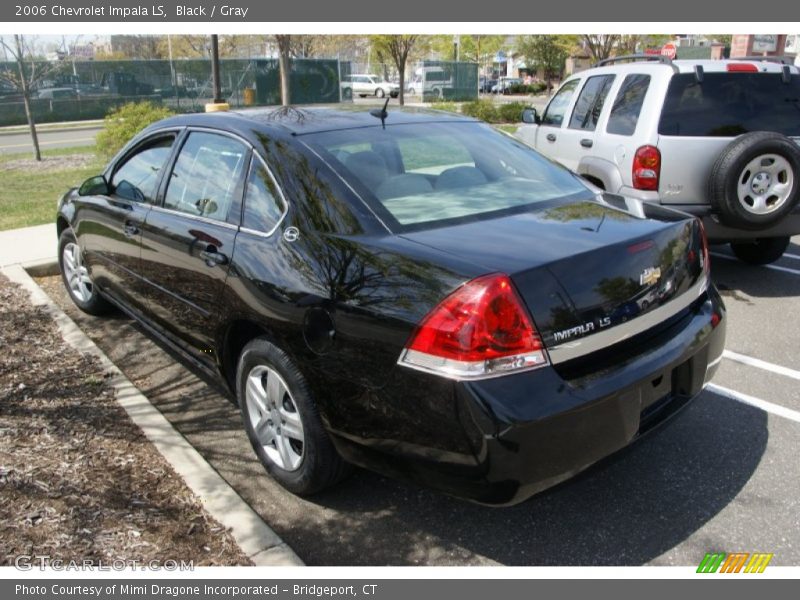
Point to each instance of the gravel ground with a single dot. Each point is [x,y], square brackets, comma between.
[78,480]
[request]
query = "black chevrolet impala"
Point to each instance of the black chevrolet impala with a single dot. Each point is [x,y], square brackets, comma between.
[412,292]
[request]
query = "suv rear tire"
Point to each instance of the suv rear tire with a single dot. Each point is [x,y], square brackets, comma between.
[762,251]
[754,181]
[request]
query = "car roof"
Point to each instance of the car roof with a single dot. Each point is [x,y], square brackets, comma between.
[688,66]
[309,119]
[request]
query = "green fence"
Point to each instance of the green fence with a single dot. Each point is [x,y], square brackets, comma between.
[436,80]
[88,90]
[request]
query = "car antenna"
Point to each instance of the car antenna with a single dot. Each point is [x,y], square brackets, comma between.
[382,113]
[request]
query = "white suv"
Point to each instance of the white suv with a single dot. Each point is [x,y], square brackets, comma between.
[716,138]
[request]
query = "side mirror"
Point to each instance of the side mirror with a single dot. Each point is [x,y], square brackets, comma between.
[95,186]
[530,116]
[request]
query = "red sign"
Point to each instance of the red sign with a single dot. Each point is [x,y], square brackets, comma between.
[670,51]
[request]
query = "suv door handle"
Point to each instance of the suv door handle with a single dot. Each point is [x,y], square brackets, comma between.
[551,137]
[212,257]
[586,143]
[130,229]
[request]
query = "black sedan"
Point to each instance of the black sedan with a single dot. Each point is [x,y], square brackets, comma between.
[412,292]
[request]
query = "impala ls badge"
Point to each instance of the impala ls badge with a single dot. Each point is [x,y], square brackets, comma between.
[650,276]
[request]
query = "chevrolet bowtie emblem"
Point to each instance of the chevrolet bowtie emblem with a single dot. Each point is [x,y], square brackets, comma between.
[650,276]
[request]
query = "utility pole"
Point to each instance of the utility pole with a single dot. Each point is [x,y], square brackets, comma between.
[215,70]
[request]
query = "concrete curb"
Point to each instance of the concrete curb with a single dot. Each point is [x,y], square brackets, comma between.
[49,128]
[256,539]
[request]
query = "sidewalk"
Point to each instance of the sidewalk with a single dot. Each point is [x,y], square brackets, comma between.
[60,126]
[29,246]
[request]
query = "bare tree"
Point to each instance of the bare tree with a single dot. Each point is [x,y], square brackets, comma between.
[284,57]
[28,75]
[398,47]
[600,46]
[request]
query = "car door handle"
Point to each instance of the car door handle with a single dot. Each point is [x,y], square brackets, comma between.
[586,143]
[212,257]
[551,137]
[130,229]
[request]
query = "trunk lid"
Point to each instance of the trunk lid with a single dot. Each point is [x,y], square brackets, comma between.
[584,267]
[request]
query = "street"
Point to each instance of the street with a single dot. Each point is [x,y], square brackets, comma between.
[17,143]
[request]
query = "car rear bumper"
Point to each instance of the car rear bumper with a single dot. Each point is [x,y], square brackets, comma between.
[502,440]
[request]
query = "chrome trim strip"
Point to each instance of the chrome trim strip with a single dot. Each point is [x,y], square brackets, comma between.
[603,339]
[200,218]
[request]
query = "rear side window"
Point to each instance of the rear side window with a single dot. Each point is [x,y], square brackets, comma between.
[729,104]
[628,105]
[554,114]
[263,205]
[590,102]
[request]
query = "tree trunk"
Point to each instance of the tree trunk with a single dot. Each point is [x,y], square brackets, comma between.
[37,154]
[401,71]
[284,48]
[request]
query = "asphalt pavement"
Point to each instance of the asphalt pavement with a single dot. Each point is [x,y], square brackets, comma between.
[721,476]
[16,143]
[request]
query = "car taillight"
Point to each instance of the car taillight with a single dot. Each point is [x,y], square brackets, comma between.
[741,68]
[646,168]
[480,330]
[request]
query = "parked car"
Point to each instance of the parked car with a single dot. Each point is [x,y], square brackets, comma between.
[368,85]
[486,85]
[57,94]
[715,138]
[504,84]
[414,293]
[430,81]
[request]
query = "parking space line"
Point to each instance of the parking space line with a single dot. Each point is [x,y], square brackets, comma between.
[792,256]
[770,407]
[773,267]
[761,364]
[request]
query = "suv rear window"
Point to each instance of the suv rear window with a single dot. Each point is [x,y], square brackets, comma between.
[729,104]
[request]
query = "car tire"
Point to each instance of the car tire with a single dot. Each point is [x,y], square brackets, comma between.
[274,397]
[76,277]
[347,94]
[379,93]
[755,180]
[762,251]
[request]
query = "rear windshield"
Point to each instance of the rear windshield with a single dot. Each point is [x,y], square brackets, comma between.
[729,104]
[419,175]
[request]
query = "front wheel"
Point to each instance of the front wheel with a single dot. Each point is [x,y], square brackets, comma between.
[379,93]
[76,277]
[762,251]
[283,422]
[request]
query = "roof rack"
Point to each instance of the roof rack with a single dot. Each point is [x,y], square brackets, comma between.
[633,57]
[782,60]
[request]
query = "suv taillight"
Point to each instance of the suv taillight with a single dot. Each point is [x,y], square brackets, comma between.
[646,168]
[480,330]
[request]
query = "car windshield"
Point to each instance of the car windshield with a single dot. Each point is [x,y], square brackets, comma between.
[425,174]
[729,104]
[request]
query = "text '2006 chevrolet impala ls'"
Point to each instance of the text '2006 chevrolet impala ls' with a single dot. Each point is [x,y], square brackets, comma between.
[408,291]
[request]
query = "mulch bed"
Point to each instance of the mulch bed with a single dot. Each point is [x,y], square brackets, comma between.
[51,163]
[78,479]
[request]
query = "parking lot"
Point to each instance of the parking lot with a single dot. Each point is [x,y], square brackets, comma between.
[722,476]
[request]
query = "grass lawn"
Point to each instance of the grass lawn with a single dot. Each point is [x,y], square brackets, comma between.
[28,192]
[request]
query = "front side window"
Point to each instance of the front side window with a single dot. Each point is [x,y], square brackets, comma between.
[206,176]
[628,105]
[555,111]
[136,179]
[590,102]
[423,174]
[263,205]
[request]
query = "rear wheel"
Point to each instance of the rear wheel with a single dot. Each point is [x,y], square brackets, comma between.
[380,93]
[283,422]
[762,251]
[76,277]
